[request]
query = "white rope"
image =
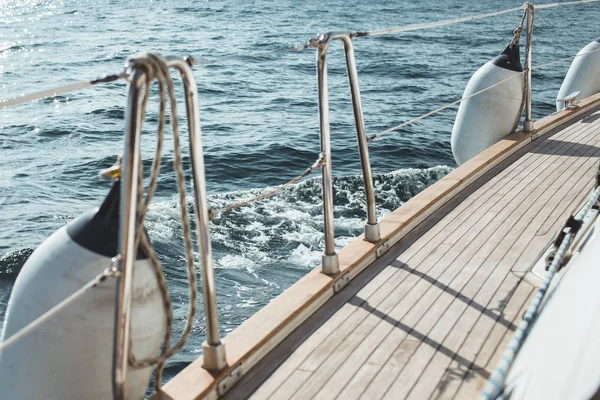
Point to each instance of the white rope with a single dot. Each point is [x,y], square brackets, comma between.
[566,3]
[442,108]
[427,25]
[36,323]
[560,60]
[4,103]
[72,87]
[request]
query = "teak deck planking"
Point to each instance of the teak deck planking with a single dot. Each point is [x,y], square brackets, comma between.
[427,318]
[401,340]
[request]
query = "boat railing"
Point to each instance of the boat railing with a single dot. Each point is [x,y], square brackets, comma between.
[529,14]
[214,348]
[330,261]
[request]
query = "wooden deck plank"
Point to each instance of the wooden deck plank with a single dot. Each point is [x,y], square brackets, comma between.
[554,213]
[297,378]
[507,304]
[428,325]
[514,252]
[481,283]
[384,301]
[327,331]
[338,375]
[495,191]
[408,313]
[489,355]
[540,242]
[437,367]
[436,323]
[518,199]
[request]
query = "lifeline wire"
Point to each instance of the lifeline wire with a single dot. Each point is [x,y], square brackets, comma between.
[39,321]
[526,6]
[319,162]
[72,87]
[426,25]
[297,48]
[214,214]
[446,106]
[294,49]
[494,386]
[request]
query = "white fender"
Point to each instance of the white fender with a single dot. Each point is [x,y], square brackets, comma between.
[70,356]
[583,75]
[487,118]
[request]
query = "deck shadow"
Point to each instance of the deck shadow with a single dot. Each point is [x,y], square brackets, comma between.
[470,302]
[590,118]
[423,338]
[565,148]
[276,357]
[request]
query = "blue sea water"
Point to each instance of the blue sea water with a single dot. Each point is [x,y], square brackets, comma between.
[258,107]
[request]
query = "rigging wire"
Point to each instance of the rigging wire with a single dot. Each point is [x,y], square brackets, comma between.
[71,87]
[318,163]
[5,103]
[436,24]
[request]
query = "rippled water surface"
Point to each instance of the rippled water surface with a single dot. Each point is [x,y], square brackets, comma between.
[259,118]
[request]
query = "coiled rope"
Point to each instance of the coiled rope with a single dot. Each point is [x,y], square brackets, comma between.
[496,382]
[156,68]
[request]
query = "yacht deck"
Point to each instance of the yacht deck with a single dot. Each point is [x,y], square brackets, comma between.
[434,319]
[430,317]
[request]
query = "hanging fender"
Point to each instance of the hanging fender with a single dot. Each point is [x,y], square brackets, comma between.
[70,356]
[487,118]
[583,75]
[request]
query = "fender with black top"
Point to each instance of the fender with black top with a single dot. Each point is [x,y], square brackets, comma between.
[488,117]
[70,356]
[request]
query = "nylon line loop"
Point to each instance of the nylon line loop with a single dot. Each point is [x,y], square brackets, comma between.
[156,68]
